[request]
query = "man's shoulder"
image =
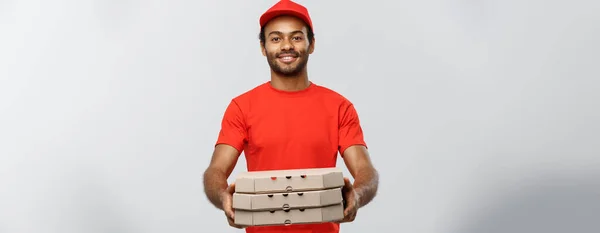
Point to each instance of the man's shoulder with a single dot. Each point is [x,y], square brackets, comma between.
[245,96]
[332,94]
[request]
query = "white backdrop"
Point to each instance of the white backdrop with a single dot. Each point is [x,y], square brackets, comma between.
[481,116]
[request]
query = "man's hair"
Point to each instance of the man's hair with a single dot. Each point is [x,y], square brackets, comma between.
[310,36]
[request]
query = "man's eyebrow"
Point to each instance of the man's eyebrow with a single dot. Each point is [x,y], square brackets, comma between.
[281,33]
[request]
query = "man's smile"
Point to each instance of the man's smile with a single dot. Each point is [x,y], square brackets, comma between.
[287,58]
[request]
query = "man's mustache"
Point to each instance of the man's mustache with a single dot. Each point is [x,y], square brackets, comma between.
[293,53]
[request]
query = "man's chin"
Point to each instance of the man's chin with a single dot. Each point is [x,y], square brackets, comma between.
[287,72]
[286,69]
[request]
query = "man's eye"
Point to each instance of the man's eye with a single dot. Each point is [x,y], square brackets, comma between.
[297,38]
[275,39]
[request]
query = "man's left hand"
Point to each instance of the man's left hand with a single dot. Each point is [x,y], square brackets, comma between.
[351,199]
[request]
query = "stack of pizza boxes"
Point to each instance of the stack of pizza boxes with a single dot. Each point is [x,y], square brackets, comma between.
[285,197]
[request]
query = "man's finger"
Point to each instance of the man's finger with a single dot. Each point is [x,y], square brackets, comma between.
[228,209]
[348,218]
[349,208]
[231,188]
[237,226]
[347,183]
[342,220]
[231,221]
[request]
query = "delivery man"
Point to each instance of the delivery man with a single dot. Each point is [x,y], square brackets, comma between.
[289,122]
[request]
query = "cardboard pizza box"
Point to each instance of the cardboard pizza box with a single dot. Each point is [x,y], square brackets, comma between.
[293,180]
[288,217]
[286,201]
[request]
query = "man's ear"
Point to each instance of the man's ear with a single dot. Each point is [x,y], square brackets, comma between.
[311,46]
[262,49]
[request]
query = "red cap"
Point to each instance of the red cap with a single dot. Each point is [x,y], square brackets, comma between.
[286,7]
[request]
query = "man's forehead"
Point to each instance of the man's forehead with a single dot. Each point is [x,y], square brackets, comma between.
[286,24]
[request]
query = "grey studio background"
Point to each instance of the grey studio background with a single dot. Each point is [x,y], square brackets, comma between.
[481,116]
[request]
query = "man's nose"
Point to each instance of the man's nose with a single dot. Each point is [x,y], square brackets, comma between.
[287,45]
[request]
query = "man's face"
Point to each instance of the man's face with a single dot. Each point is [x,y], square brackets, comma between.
[286,45]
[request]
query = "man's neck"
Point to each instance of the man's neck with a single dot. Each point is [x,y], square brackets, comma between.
[293,83]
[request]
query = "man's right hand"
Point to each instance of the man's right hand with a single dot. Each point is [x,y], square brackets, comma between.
[227,202]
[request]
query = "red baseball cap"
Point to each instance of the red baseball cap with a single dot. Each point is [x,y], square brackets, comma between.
[286,7]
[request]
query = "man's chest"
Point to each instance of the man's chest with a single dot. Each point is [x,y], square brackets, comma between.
[304,124]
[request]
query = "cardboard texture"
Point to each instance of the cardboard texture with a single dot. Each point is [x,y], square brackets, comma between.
[279,181]
[286,201]
[284,197]
[293,216]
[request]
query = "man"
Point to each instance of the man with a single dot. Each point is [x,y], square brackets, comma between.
[290,123]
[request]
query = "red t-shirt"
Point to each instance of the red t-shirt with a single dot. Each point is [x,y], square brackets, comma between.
[291,130]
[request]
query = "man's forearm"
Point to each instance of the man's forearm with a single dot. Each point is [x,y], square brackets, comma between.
[215,182]
[365,184]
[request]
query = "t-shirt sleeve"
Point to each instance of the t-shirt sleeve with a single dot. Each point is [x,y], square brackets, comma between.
[233,127]
[350,130]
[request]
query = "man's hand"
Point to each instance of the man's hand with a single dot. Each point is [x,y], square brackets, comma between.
[352,201]
[227,203]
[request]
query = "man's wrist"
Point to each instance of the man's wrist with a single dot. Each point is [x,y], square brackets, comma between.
[221,198]
[357,198]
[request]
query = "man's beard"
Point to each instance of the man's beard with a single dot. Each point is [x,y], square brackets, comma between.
[289,71]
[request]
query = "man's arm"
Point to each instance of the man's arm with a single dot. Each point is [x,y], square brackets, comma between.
[228,147]
[222,163]
[366,177]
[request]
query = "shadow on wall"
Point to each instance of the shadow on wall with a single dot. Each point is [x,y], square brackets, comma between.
[555,204]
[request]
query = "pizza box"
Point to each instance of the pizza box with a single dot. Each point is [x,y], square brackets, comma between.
[293,180]
[286,201]
[329,213]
